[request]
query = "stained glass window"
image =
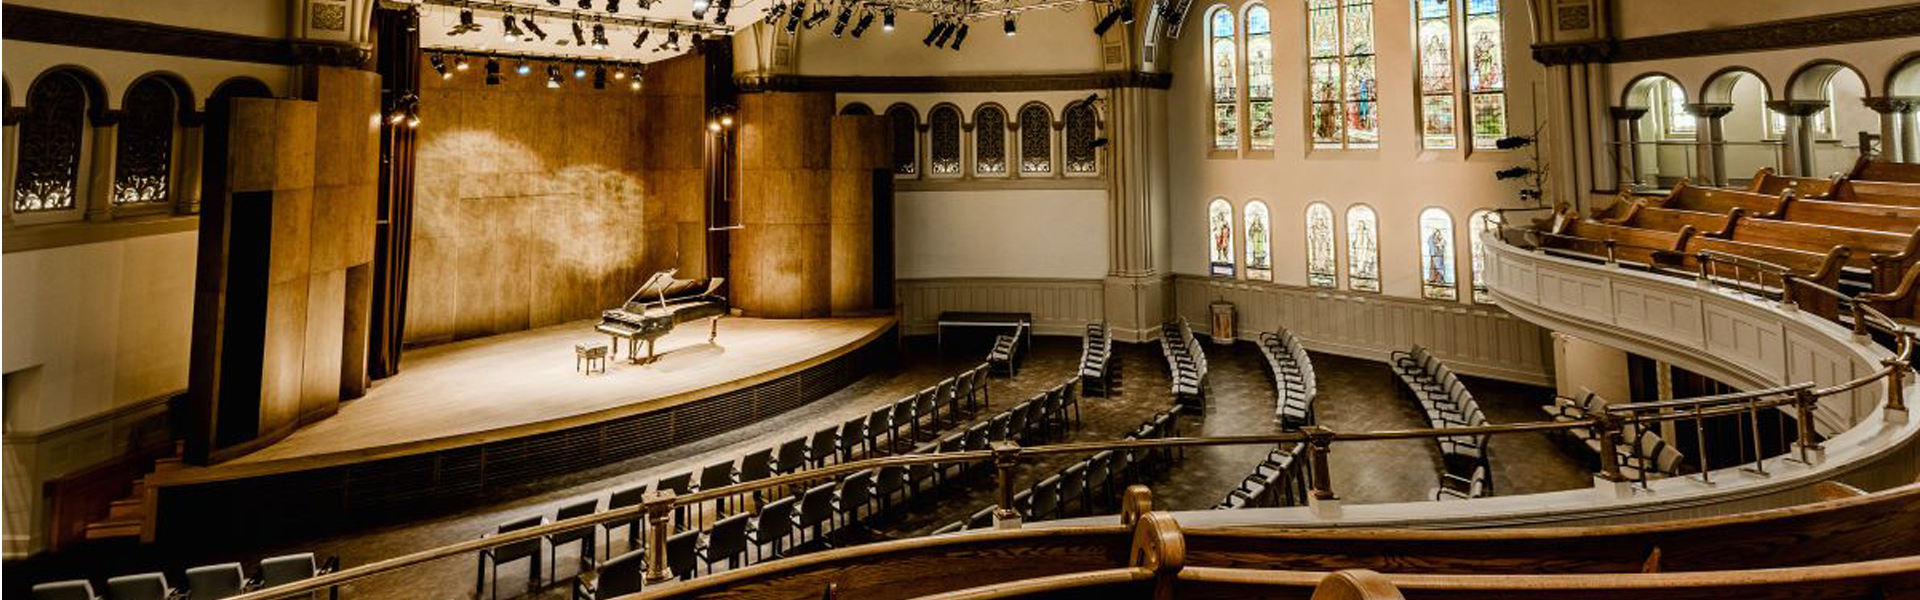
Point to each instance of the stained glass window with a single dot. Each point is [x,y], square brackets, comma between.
[989,140]
[1481,222]
[1486,72]
[1220,237]
[1259,78]
[943,145]
[1363,249]
[1036,139]
[1678,122]
[1322,268]
[1226,118]
[1438,277]
[1080,118]
[1341,83]
[144,157]
[47,172]
[1434,20]
[1259,242]
[906,148]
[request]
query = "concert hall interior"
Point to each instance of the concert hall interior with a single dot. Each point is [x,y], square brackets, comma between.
[841,299]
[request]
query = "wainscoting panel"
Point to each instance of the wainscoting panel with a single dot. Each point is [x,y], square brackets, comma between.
[1474,339]
[1059,306]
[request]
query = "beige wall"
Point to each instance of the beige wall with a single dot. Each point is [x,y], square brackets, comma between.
[1636,18]
[265,18]
[1580,366]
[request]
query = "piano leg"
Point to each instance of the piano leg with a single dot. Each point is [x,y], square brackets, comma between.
[613,345]
[650,356]
[713,329]
[633,349]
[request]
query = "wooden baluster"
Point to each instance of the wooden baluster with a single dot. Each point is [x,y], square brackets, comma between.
[1753,423]
[1319,444]
[1859,317]
[1612,259]
[1006,456]
[1159,547]
[659,505]
[1803,403]
[1606,429]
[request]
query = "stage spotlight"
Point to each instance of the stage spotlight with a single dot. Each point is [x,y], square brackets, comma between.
[696,39]
[775,12]
[439,65]
[673,39]
[1126,12]
[959,36]
[511,28]
[932,33]
[795,14]
[553,2]
[599,78]
[819,17]
[721,8]
[524,68]
[700,9]
[599,36]
[946,33]
[413,121]
[886,19]
[466,23]
[840,22]
[1008,25]
[579,34]
[634,81]
[866,20]
[399,115]
[579,71]
[534,27]
[553,76]
[1106,22]
[460,64]
[641,38]
[493,71]
[613,6]
[586,4]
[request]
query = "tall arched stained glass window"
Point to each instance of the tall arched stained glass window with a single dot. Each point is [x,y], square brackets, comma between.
[1480,222]
[47,159]
[1259,241]
[906,147]
[1259,78]
[1341,81]
[1486,72]
[1220,237]
[943,141]
[1036,139]
[1080,118]
[144,157]
[1434,22]
[1439,279]
[1322,268]
[989,141]
[1226,92]
[1363,249]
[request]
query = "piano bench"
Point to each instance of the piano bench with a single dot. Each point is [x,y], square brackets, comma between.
[594,355]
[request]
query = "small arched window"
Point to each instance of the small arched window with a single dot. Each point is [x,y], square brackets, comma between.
[1036,139]
[1259,78]
[906,149]
[943,147]
[1220,237]
[144,170]
[989,141]
[1363,249]
[1259,241]
[856,108]
[1479,223]
[1226,92]
[1081,126]
[1439,280]
[47,172]
[1322,266]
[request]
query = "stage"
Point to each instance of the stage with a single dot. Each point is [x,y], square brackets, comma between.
[512,408]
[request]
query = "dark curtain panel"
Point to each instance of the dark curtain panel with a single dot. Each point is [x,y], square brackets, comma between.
[397,59]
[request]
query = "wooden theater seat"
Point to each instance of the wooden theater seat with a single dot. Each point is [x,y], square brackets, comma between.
[1716,200]
[1642,215]
[1878,170]
[1892,193]
[1768,183]
[1893,218]
[1631,244]
[1887,254]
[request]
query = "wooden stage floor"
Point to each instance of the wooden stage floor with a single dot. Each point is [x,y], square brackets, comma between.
[522,383]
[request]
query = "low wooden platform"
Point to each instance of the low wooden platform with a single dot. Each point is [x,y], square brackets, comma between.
[479,414]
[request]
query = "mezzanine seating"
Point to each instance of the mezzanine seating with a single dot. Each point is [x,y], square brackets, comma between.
[1447,404]
[1642,454]
[216,581]
[1279,480]
[1089,485]
[1294,383]
[1096,361]
[1186,364]
[1005,355]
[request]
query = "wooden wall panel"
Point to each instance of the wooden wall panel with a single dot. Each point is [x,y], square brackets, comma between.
[1059,306]
[859,149]
[781,259]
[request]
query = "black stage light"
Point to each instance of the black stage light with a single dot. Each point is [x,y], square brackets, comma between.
[553,2]
[1007,25]
[886,19]
[840,22]
[493,71]
[932,33]
[633,81]
[946,33]
[439,65]
[586,4]
[721,8]
[1097,142]
[776,11]
[466,23]
[523,68]
[613,6]
[1126,12]
[796,14]
[866,20]
[696,39]
[534,26]
[599,36]
[819,17]
[1106,22]
[579,71]
[553,76]
[641,38]
[700,9]
[599,78]
[959,36]
[579,34]
[511,28]
[460,64]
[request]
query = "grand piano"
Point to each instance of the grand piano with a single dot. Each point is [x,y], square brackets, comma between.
[657,306]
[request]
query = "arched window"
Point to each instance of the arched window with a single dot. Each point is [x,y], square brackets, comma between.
[856,108]
[1220,237]
[989,140]
[943,147]
[1259,242]
[145,154]
[1486,72]
[1363,249]
[1675,120]
[1036,139]
[1434,21]
[1322,268]
[1341,79]
[1080,119]
[1438,278]
[1226,93]
[1480,222]
[1822,121]
[1259,78]
[47,172]
[906,150]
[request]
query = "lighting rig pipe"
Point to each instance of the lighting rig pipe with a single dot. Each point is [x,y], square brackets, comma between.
[502,6]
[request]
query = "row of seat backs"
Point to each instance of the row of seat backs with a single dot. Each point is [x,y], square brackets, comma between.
[1095,347]
[208,582]
[1186,361]
[1047,494]
[1640,448]
[1288,360]
[1279,480]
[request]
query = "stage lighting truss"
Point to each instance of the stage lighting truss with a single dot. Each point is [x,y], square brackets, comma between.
[951,18]
[584,33]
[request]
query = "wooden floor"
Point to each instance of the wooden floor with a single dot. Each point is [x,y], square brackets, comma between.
[521,383]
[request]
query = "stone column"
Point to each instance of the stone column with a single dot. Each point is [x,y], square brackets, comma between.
[100,166]
[1627,156]
[1896,122]
[1138,291]
[1799,137]
[1712,140]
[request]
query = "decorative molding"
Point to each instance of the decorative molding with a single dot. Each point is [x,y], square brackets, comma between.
[24,238]
[1059,306]
[29,24]
[1822,30]
[1001,183]
[1476,339]
[952,84]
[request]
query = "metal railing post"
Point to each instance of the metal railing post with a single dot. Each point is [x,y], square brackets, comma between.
[1319,444]
[1803,403]
[1859,317]
[1753,423]
[1786,292]
[1606,429]
[659,506]
[1701,261]
[1896,386]
[1613,260]
[1006,456]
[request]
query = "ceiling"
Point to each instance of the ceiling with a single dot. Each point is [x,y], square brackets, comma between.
[439,17]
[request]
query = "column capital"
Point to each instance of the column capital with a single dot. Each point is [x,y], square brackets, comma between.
[1627,113]
[1797,108]
[1711,110]
[1892,104]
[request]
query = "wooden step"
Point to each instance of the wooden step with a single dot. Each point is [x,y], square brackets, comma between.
[169,463]
[126,508]
[113,528]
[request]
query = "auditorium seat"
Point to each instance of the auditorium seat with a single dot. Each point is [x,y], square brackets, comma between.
[143,586]
[633,495]
[491,558]
[289,568]
[792,456]
[75,589]
[950,528]
[891,481]
[1073,487]
[981,519]
[926,406]
[980,388]
[853,433]
[683,553]
[726,541]
[619,576]
[586,536]
[824,444]
[772,527]
[904,420]
[816,511]
[879,423]
[855,494]
[680,484]
[214,582]
[756,466]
